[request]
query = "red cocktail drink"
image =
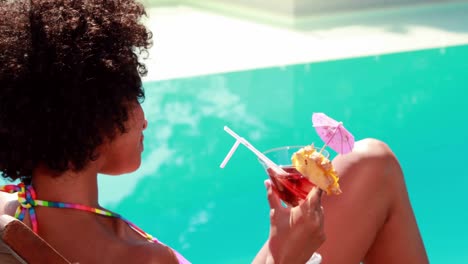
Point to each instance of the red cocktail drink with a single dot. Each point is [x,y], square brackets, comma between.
[292,187]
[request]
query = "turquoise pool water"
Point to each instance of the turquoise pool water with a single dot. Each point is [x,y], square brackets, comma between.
[415,101]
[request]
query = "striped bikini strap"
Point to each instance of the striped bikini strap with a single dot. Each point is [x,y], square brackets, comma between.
[27,201]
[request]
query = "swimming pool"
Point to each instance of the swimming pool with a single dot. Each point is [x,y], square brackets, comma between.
[415,101]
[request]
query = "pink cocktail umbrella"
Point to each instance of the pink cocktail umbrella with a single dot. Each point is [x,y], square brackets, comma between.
[333,133]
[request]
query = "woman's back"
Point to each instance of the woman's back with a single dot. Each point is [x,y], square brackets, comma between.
[80,238]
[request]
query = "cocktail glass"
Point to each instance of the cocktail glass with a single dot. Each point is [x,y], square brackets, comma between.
[291,187]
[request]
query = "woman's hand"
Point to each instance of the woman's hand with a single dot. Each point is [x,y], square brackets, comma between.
[297,232]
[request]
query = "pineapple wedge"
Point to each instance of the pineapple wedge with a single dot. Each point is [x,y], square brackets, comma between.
[317,169]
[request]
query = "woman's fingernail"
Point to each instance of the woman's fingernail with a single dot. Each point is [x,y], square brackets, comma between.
[267,184]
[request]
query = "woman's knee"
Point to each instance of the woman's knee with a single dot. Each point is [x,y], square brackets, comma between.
[371,163]
[373,149]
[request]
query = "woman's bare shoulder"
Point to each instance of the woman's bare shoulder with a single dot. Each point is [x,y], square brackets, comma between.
[149,253]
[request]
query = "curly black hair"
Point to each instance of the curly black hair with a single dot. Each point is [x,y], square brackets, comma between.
[68,69]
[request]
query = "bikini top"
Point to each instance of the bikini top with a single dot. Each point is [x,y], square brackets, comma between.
[27,201]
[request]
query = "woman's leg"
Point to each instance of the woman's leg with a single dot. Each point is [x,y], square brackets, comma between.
[372,220]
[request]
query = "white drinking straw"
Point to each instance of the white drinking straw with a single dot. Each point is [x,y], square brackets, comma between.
[229,155]
[268,162]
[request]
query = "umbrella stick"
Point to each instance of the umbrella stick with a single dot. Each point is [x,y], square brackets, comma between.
[331,137]
[324,146]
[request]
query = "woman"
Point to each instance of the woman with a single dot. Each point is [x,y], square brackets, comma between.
[70,89]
